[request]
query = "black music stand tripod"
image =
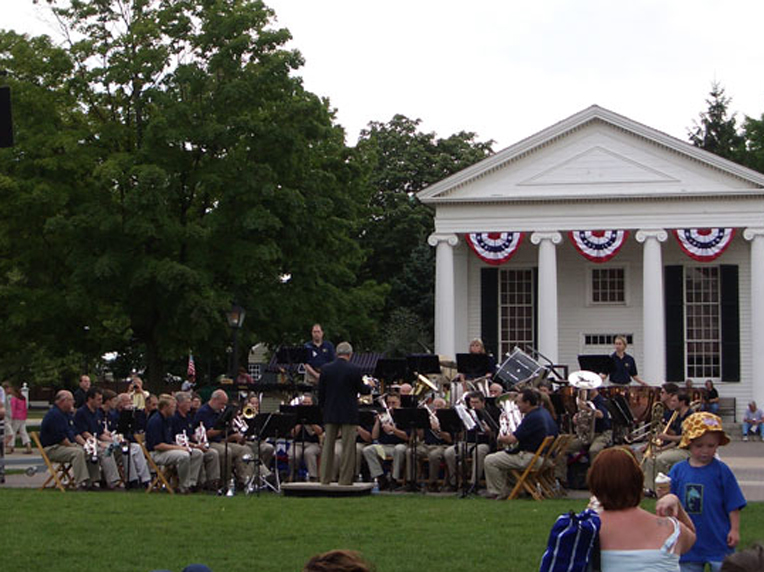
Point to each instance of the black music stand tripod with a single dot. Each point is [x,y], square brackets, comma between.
[412,418]
[126,427]
[224,424]
[268,425]
[304,415]
[451,423]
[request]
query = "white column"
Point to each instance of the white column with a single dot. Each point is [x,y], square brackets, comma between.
[547,293]
[445,295]
[756,237]
[653,368]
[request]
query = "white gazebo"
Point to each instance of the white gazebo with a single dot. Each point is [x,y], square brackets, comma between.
[686,316]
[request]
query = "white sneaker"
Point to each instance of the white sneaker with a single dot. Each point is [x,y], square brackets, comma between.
[745,437]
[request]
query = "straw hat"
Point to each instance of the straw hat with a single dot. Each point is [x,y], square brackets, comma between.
[698,424]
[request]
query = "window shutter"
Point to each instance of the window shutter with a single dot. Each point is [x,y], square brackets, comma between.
[730,325]
[489,309]
[673,280]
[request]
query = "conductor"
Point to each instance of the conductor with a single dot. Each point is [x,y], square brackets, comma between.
[339,384]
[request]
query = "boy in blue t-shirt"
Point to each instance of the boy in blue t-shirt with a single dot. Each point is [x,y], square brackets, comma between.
[709,493]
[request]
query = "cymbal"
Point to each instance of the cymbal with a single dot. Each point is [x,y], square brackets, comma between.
[448,364]
[584,379]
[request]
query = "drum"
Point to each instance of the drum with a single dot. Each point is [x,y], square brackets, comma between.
[640,399]
[519,367]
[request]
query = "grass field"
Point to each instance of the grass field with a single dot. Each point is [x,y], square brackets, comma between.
[137,532]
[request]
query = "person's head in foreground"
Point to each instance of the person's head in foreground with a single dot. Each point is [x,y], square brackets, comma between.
[338,561]
[616,479]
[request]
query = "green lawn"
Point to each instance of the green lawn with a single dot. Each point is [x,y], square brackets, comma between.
[137,532]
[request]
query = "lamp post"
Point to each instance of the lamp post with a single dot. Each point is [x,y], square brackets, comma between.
[235,317]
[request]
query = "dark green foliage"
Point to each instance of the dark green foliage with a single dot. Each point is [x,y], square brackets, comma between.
[717,131]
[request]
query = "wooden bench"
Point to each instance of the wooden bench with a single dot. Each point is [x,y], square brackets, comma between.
[728,409]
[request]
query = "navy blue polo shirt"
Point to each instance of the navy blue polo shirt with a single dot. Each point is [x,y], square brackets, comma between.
[56,426]
[625,369]
[534,428]
[320,355]
[603,424]
[159,430]
[112,420]
[209,417]
[90,421]
[179,423]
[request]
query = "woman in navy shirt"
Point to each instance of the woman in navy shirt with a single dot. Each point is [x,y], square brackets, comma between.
[625,366]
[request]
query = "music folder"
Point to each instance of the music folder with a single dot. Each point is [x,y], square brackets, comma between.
[598,363]
[411,418]
[472,364]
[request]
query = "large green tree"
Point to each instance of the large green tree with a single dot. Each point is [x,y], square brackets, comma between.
[200,172]
[402,160]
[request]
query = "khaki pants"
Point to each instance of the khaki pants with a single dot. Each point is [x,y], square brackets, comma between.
[451,454]
[186,463]
[374,460]
[662,463]
[347,465]
[598,444]
[434,455]
[236,461]
[84,471]
[497,470]
[359,447]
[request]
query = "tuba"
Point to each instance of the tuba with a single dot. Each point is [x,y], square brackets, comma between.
[585,419]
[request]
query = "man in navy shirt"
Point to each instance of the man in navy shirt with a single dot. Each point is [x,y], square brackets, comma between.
[183,423]
[160,441]
[321,353]
[537,424]
[208,415]
[89,424]
[57,438]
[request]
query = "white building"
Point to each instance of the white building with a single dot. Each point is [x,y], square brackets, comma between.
[596,171]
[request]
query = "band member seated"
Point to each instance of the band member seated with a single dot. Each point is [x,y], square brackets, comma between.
[536,425]
[389,441]
[161,443]
[59,443]
[266,449]
[137,473]
[321,353]
[625,366]
[183,426]
[208,415]
[89,427]
[601,432]
[431,446]
[305,446]
[664,452]
[484,434]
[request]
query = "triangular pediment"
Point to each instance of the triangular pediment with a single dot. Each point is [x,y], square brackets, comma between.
[598,166]
[594,155]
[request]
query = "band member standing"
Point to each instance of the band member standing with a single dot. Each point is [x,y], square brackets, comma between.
[82,389]
[321,353]
[339,384]
[536,425]
[432,447]
[160,441]
[57,438]
[183,424]
[483,434]
[625,366]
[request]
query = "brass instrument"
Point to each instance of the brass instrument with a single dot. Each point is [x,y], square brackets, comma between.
[656,429]
[510,417]
[91,449]
[200,435]
[249,412]
[481,384]
[182,440]
[434,421]
[385,418]
[240,424]
[585,418]
[422,387]
[374,384]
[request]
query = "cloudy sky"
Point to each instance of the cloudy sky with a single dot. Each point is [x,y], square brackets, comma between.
[506,69]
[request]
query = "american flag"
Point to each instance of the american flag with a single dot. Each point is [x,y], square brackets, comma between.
[191,367]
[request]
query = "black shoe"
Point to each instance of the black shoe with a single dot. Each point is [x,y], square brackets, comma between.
[384,483]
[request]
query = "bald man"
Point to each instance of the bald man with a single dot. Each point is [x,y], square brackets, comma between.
[57,436]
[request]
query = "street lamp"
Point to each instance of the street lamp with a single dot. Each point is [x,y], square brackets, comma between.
[235,317]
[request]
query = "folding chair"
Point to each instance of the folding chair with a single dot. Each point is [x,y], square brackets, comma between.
[548,475]
[162,474]
[59,474]
[528,479]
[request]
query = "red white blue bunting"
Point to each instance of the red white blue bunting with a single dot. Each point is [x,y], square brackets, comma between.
[495,247]
[598,245]
[704,244]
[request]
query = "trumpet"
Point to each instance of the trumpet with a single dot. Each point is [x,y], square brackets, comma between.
[200,435]
[510,417]
[386,417]
[434,421]
[240,424]
[249,411]
[91,449]
[181,439]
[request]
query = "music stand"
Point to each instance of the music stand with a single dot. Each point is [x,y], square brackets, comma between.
[390,370]
[408,401]
[304,415]
[598,363]
[223,423]
[472,365]
[264,426]
[126,427]
[412,418]
[422,363]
